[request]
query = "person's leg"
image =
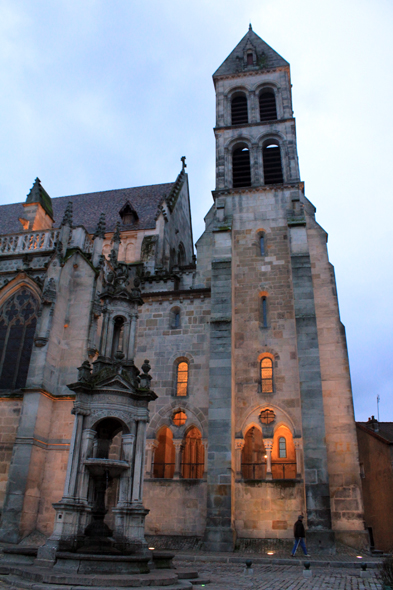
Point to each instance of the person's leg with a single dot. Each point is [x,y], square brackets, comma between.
[295,546]
[303,546]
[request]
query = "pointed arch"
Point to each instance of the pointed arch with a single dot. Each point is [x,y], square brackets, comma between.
[193,455]
[165,455]
[18,320]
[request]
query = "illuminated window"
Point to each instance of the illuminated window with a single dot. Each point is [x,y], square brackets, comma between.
[182,379]
[18,318]
[164,456]
[253,455]
[267,375]
[179,418]
[267,416]
[282,448]
[193,455]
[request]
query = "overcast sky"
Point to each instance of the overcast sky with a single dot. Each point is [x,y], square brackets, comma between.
[103,94]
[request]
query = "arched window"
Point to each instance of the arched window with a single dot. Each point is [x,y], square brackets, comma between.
[250,59]
[174,318]
[264,312]
[282,448]
[18,319]
[272,168]
[253,455]
[182,379]
[267,375]
[262,243]
[267,105]
[118,333]
[193,455]
[164,456]
[241,168]
[239,109]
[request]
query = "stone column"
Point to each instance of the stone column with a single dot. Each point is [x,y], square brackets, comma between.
[131,345]
[74,454]
[254,164]
[239,444]
[104,331]
[139,464]
[109,337]
[268,446]
[126,338]
[178,448]
[150,448]
[205,449]
[88,437]
[253,104]
[125,478]
[298,450]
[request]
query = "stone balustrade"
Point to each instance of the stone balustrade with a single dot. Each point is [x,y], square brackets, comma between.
[25,242]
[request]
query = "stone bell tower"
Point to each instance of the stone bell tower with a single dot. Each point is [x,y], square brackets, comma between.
[276,344]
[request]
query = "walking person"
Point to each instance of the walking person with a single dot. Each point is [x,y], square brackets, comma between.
[300,534]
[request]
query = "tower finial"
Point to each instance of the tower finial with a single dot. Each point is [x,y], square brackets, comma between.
[250,27]
[100,229]
[67,218]
[183,159]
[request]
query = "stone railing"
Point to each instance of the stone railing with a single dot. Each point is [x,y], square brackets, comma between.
[41,241]
[28,242]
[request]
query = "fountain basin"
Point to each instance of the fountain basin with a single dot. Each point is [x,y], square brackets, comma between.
[99,467]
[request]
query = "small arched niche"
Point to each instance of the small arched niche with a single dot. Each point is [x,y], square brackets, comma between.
[118,335]
[241,166]
[108,443]
[283,454]
[193,455]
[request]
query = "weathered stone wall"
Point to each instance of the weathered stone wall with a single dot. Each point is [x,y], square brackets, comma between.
[268,509]
[176,507]
[9,419]
[342,449]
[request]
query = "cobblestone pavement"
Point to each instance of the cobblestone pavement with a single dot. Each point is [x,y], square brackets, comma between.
[231,577]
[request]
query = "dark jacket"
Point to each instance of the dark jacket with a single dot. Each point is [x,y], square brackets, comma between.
[298,530]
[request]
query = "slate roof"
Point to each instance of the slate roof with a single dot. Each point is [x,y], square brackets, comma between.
[385,430]
[268,58]
[88,207]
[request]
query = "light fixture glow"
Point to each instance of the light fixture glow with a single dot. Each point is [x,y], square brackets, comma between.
[270,552]
[359,557]
[151,548]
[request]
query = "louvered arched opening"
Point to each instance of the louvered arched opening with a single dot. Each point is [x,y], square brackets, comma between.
[239,109]
[272,168]
[267,105]
[241,168]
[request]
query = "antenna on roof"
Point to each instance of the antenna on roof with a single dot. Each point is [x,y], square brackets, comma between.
[378,398]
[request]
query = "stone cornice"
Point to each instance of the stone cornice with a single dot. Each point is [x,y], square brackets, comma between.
[256,72]
[180,294]
[256,124]
[258,189]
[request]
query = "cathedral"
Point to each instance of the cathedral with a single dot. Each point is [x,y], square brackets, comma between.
[253,421]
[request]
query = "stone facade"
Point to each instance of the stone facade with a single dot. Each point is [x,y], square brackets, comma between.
[254,420]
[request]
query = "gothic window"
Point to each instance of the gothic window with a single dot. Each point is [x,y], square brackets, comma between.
[282,448]
[250,59]
[174,318]
[182,379]
[18,319]
[267,105]
[241,168]
[272,168]
[253,455]
[128,214]
[193,455]
[118,336]
[165,454]
[267,375]
[239,109]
